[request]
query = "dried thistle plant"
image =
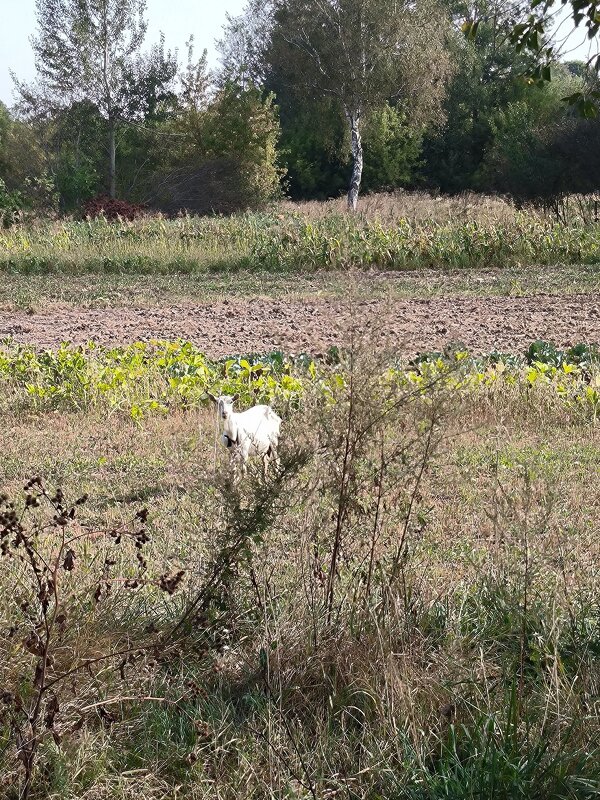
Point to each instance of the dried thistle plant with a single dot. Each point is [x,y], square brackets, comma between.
[58,647]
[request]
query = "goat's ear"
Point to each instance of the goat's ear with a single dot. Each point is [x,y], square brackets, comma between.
[235,397]
[212,397]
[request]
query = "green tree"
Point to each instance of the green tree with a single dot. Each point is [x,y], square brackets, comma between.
[90,50]
[361,54]
[243,125]
[147,144]
[194,80]
[314,148]
[4,129]
[25,181]
[224,156]
[22,155]
[392,149]
[486,80]
[531,32]
[528,158]
[74,139]
[244,45]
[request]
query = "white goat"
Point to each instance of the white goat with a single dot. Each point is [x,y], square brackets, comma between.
[254,432]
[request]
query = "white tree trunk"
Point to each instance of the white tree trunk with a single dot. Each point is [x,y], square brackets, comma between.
[357,159]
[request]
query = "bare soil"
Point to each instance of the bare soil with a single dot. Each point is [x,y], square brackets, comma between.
[260,324]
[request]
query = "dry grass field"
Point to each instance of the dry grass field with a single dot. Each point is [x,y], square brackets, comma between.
[406,609]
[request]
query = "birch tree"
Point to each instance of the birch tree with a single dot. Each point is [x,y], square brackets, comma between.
[90,50]
[362,54]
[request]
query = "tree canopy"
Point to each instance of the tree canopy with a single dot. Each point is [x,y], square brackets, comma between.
[90,51]
[312,98]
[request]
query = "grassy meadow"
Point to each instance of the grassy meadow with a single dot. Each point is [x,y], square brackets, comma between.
[408,608]
[414,232]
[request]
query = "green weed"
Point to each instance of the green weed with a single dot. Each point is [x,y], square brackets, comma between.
[292,242]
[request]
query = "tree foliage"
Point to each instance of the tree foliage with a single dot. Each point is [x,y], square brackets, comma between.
[23,167]
[539,151]
[361,54]
[487,79]
[226,154]
[244,45]
[311,96]
[392,150]
[531,32]
[90,51]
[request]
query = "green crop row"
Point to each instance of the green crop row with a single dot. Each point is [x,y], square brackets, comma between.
[157,376]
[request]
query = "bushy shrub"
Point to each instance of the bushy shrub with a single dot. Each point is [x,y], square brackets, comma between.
[35,194]
[227,160]
[11,204]
[102,205]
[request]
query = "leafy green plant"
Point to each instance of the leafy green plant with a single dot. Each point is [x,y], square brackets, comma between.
[153,378]
[11,204]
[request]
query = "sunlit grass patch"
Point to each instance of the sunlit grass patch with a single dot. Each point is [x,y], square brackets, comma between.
[449,643]
[293,241]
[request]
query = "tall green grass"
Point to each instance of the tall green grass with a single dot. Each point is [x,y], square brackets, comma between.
[293,242]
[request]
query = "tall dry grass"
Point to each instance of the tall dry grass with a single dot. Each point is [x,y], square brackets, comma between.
[395,232]
[407,610]
[415,206]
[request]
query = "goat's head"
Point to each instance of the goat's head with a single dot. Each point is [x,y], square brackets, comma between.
[224,404]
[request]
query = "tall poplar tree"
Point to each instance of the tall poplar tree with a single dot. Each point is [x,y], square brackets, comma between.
[90,50]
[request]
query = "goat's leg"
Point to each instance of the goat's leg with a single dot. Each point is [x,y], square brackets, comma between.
[239,467]
[275,457]
[265,465]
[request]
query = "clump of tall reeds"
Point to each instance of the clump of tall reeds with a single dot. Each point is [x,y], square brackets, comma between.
[392,232]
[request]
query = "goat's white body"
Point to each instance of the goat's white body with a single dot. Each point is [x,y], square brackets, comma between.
[254,432]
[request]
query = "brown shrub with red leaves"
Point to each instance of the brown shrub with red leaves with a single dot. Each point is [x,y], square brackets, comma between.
[111,209]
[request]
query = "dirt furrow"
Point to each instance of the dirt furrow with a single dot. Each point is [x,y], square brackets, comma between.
[262,324]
